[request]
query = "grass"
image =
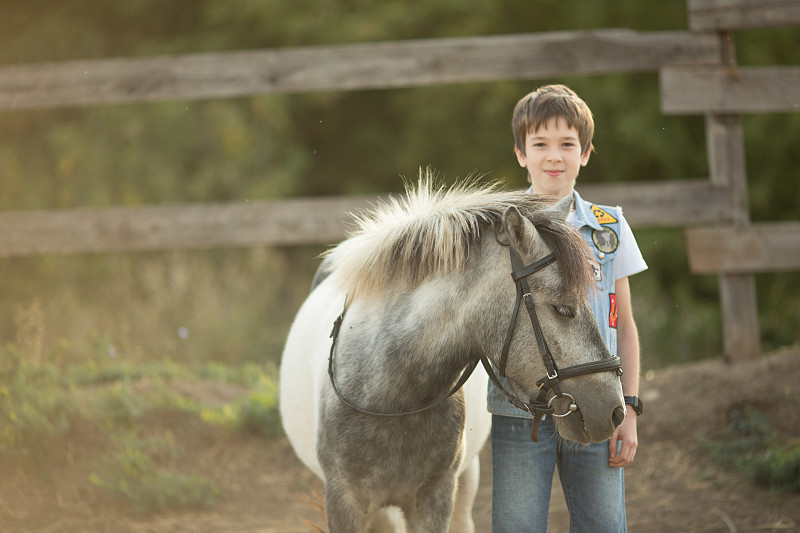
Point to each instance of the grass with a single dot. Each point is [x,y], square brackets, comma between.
[750,445]
[34,404]
[143,467]
[142,474]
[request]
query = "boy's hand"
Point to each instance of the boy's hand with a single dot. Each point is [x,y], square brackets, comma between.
[626,439]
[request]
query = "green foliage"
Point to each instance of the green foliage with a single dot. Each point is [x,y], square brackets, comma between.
[39,400]
[752,446]
[779,468]
[256,412]
[34,406]
[678,319]
[142,474]
[236,305]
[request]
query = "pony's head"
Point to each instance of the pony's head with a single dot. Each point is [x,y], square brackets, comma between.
[567,324]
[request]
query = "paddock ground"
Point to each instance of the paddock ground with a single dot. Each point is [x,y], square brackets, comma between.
[672,486]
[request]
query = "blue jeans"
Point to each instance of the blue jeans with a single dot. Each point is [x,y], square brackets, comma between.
[522,473]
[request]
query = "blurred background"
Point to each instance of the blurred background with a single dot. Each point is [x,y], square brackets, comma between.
[233,307]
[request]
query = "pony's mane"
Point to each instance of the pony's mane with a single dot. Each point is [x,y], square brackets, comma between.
[430,230]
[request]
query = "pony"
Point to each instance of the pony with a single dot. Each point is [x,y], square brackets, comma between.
[379,412]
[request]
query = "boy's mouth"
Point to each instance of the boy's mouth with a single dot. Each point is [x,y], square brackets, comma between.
[553,173]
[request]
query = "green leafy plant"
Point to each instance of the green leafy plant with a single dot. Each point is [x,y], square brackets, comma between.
[142,473]
[33,403]
[752,446]
[257,411]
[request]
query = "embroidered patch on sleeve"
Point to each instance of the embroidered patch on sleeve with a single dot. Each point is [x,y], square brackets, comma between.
[612,313]
[602,216]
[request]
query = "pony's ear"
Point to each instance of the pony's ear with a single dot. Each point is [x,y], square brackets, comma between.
[522,234]
[561,209]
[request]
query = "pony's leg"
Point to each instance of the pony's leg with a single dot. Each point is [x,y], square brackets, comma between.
[343,516]
[433,510]
[465,497]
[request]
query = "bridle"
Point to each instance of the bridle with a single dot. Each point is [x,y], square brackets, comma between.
[538,406]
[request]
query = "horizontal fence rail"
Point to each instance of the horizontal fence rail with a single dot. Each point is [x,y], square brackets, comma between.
[760,247]
[294,221]
[349,67]
[199,226]
[730,90]
[664,204]
[717,15]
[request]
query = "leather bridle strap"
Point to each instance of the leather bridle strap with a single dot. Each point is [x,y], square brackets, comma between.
[465,374]
[540,406]
[518,274]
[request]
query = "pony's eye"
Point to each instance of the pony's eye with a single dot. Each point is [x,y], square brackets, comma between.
[564,311]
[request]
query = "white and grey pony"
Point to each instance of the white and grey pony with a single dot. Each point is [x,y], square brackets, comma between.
[426,286]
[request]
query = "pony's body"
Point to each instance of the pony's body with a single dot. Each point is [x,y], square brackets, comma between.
[369,466]
[428,290]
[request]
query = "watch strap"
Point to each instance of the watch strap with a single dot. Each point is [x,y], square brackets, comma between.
[634,402]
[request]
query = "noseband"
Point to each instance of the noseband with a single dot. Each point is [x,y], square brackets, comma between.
[538,406]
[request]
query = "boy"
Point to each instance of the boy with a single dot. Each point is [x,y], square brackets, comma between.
[553,131]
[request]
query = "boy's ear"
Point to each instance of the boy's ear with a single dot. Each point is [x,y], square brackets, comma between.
[520,157]
[585,157]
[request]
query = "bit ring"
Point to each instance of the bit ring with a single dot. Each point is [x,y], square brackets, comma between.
[572,406]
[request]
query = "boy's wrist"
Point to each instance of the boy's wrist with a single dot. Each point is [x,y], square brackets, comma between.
[634,403]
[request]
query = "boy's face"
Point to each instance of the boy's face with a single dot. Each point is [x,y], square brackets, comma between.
[553,158]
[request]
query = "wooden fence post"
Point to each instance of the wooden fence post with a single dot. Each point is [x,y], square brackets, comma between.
[726,162]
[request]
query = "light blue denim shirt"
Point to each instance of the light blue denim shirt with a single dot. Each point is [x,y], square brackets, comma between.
[610,238]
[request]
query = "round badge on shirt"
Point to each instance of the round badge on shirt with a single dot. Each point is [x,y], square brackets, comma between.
[605,239]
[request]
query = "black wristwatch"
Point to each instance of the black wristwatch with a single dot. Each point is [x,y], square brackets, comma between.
[634,402]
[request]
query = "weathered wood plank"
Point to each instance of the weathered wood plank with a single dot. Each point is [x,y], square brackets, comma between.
[349,67]
[663,204]
[726,163]
[118,229]
[721,15]
[291,222]
[741,336]
[761,247]
[730,90]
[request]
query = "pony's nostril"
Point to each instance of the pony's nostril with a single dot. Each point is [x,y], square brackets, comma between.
[618,416]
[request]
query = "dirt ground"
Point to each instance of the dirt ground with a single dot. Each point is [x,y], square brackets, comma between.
[672,486]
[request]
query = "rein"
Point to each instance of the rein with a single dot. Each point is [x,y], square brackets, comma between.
[337,324]
[538,406]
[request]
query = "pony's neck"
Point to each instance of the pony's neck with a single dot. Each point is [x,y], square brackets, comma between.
[428,334]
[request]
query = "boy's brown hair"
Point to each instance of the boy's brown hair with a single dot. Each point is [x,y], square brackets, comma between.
[552,101]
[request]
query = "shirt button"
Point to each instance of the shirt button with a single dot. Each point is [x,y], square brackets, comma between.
[601,255]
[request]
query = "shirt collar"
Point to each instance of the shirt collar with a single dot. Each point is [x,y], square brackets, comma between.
[583,212]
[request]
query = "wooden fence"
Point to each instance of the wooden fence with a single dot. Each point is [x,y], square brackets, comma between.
[698,75]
